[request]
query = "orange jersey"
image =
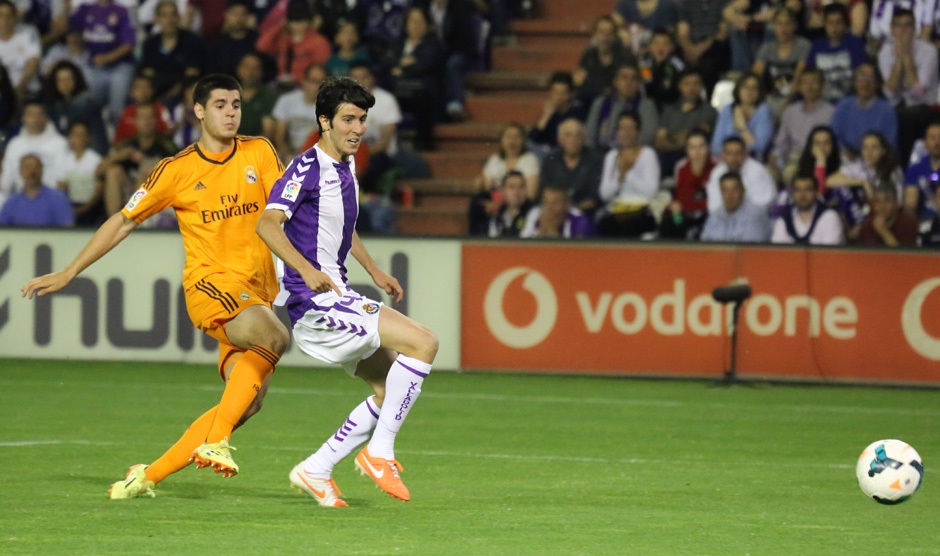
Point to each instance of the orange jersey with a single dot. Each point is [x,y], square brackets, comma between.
[218,199]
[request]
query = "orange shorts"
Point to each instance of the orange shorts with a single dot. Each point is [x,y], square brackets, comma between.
[215,300]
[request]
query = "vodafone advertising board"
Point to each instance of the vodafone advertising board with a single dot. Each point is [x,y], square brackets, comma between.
[817,314]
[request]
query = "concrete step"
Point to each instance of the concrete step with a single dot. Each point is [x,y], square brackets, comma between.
[455,165]
[581,27]
[513,106]
[433,221]
[481,132]
[467,146]
[462,187]
[572,9]
[508,80]
[555,41]
[536,58]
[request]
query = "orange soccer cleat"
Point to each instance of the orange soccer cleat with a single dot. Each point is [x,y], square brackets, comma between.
[324,491]
[384,472]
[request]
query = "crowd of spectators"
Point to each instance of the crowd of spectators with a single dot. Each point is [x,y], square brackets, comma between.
[94,92]
[723,120]
[735,121]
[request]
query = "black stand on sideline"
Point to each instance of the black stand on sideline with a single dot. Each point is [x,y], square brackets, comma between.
[735,294]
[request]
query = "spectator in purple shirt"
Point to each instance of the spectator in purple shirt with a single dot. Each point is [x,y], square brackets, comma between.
[36,205]
[110,39]
[555,218]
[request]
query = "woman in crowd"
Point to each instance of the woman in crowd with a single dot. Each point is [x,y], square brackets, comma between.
[629,183]
[513,156]
[67,100]
[686,214]
[747,117]
[856,181]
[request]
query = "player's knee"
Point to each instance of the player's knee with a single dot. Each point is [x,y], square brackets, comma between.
[427,344]
[280,340]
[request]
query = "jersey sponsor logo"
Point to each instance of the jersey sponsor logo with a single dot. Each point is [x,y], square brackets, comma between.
[291,190]
[332,182]
[199,187]
[230,207]
[250,175]
[371,308]
[140,194]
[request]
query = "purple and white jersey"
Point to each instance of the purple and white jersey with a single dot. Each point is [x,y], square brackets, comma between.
[104,28]
[320,197]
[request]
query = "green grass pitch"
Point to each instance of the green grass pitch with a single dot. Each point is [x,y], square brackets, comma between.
[496,464]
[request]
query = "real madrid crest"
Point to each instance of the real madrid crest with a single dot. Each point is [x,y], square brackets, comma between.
[250,175]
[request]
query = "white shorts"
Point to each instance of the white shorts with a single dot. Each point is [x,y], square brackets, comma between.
[342,331]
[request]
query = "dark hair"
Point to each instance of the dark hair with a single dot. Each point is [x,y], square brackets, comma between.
[736,93]
[50,91]
[837,8]
[783,10]
[564,77]
[698,132]
[631,115]
[889,162]
[298,10]
[808,161]
[734,139]
[32,101]
[732,176]
[902,12]
[663,32]
[336,91]
[878,78]
[204,87]
[360,64]
[885,189]
[687,72]
[511,174]
[613,76]
[810,177]
[74,123]
[815,71]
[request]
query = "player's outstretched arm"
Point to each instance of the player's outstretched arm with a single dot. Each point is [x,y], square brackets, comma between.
[382,279]
[111,233]
[272,233]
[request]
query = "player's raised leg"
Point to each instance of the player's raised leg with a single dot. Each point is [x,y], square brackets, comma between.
[417,346]
[257,330]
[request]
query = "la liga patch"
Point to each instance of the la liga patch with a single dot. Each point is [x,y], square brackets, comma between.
[291,189]
[138,195]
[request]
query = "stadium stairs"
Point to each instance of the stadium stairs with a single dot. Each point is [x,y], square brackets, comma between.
[513,90]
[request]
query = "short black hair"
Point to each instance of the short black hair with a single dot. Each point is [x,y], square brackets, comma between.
[837,8]
[562,77]
[336,91]
[732,176]
[805,176]
[204,87]
[511,174]
[734,139]
[698,132]
[631,115]
[902,12]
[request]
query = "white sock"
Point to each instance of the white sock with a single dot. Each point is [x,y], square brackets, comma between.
[402,387]
[354,432]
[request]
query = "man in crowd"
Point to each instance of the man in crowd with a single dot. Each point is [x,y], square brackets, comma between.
[809,221]
[737,220]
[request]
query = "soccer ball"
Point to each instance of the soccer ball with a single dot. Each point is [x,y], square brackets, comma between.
[889,471]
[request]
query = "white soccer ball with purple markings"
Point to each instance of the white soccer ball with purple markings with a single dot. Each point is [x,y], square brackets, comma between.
[889,471]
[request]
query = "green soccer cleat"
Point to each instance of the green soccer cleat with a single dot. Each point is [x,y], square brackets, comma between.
[216,456]
[134,484]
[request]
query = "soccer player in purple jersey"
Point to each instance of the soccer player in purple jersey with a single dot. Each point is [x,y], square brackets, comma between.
[309,223]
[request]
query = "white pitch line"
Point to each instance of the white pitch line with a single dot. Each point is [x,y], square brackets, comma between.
[607,461]
[519,399]
[22,443]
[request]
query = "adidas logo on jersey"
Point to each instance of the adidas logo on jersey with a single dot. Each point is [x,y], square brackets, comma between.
[199,187]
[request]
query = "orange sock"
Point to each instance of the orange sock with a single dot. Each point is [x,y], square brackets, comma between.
[240,390]
[177,457]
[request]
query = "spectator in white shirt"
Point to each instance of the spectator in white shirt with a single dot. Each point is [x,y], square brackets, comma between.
[758,184]
[38,137]
[629,183]
[20,50]
[76,169]
[295,113]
